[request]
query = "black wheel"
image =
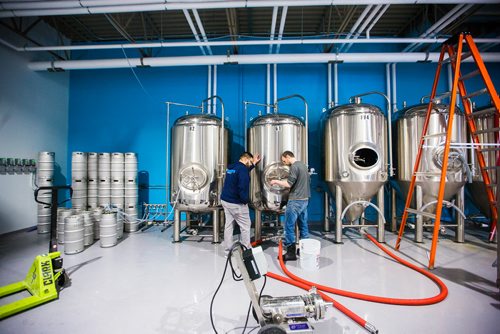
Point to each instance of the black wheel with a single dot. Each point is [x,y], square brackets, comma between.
[62,280]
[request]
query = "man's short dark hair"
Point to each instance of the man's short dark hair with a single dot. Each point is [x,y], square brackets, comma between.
[246,155]
[288,154]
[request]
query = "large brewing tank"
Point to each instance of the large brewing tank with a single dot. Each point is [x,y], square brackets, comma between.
[410,124]
[484,119]
[197,163]
[270,135]
[355,143]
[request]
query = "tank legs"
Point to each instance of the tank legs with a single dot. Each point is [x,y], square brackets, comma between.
[338,212]
[258,225]
[460,232]
[394,219]
[216,226]
[419,224]
[381,225]
[177,226]
[326,219]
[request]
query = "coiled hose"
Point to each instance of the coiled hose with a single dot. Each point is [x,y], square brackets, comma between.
[304,284]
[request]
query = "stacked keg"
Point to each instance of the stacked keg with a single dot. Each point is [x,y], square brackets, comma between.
[117,178]
[92,180]
[131,192]
[79,180]
[104,186]
[44,178]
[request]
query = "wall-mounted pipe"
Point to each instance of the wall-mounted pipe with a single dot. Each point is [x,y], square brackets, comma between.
[335,84]
[275,83]
[298,58]
[329,86]
[318,41]
[82,7]
[268,87]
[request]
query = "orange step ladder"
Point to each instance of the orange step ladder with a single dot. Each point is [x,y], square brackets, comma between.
[455,48]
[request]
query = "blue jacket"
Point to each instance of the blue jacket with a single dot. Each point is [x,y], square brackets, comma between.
[237,184]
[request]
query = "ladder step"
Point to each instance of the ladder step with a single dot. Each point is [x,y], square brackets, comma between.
[483,112]
[439,134]
[421,213]
[469,75]
[476,93]
[465,55]
[489,167]
[427,174]
[490,149]
[478,132]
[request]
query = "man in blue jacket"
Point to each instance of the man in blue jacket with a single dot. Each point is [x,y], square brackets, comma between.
[235,198]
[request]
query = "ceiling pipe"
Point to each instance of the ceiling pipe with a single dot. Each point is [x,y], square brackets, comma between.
[284,11]
[299,58]
[193,29]
[82,7]
[202,31]
[382,12]
[356,24]
[273,27]
[363,26]
[237,43]
[433,30]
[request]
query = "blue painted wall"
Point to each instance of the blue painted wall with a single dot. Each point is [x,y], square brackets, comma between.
[110,111]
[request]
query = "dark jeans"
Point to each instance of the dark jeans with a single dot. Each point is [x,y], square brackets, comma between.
[296,211]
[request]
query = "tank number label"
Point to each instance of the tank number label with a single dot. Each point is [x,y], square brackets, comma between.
[365,117]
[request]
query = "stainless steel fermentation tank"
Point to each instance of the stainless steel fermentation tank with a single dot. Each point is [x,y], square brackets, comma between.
[485,120]
[409,127]
[197,165]
[270,135]
[356,167]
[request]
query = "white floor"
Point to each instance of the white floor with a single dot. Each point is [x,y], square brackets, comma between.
[147,284]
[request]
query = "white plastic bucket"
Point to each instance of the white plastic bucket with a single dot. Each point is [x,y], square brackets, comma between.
[309,254]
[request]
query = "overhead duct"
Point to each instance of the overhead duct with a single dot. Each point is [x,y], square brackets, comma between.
[301,58]
[317,41]
[85,7]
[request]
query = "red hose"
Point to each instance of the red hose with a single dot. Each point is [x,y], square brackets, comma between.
[396,301]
